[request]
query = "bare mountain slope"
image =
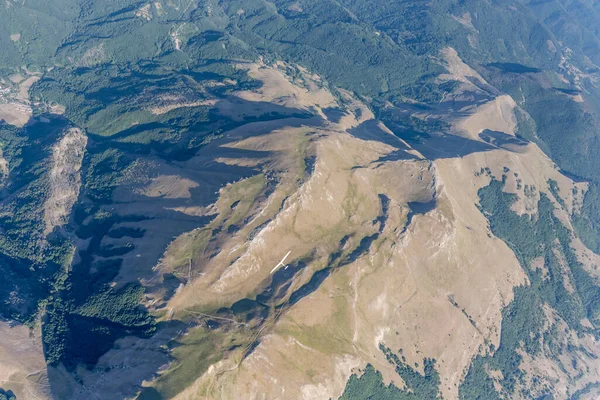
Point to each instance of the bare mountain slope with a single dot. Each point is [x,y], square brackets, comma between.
[348,242]
[281,199]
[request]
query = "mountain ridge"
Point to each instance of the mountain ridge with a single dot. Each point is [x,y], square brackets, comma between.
[422,172]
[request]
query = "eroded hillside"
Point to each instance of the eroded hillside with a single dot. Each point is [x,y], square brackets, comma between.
[281,199]
[316,253]
[349,245]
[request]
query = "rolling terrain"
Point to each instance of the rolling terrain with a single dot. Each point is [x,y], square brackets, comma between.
[299,200]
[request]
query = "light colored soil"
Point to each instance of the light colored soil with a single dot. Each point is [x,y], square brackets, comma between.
[65,178]
[159,110]
[16,78]
[24,87]
[3,166]
[144,12]
[588,258]
[496,115]
[17,110]
[467,20]
[397,293]
[15,113]
[278,89]
[393,288]
[22,364]
[457,69]
[577,98]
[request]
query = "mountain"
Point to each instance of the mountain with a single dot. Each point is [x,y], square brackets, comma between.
[333,199]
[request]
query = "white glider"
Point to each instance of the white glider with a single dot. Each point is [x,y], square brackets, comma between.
[281,262]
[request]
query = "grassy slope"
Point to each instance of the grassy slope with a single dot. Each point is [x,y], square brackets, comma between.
[339,40]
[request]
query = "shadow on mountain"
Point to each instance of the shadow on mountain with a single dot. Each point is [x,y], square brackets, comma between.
[125,367]
[178,135]
[514,68]
[334,114]
[419,208]
[281,281]
[133,232]
[571,92]
[436,146]
[441,145]
[371,131]
[310,287]
[503,140]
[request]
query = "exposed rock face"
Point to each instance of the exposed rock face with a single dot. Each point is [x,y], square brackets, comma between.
[3,167]
[65,178]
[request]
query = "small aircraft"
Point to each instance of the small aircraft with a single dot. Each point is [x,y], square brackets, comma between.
[281,263]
